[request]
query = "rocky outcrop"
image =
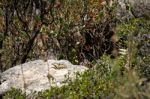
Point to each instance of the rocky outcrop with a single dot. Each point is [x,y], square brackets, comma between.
[133,8]
[39,75]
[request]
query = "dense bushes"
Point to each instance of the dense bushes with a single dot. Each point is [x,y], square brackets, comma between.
[55,29]
[77,35]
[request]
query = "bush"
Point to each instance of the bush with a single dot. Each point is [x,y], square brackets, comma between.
[125,77]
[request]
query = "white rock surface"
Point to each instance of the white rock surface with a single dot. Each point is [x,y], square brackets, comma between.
[39,75]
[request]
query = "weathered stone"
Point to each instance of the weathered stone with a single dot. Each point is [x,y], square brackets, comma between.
[39,75]
[133,8]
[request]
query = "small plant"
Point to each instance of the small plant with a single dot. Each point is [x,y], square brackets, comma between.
[14,94]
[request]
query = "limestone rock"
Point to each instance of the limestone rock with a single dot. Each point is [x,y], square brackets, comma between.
[39,75]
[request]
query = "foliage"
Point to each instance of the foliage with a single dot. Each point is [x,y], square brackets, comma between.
[107,79]
[62,31]
[54,29]
[99,82]
[137,32]
[14,94]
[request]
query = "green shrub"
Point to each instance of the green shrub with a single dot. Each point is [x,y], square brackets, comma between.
[126,77]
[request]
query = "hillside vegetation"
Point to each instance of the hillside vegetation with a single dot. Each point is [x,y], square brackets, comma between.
[84,32]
